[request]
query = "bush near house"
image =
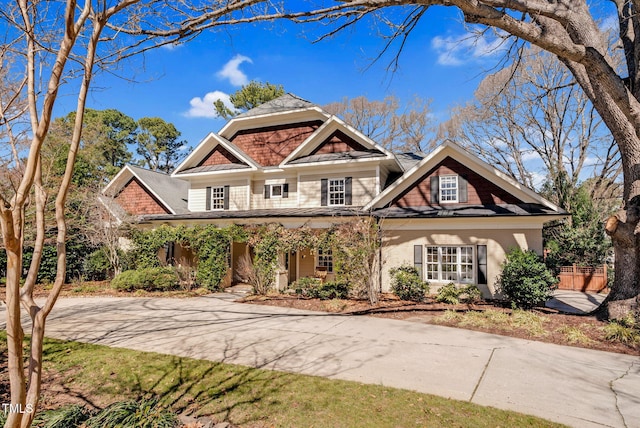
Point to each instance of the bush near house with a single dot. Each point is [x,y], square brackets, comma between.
[525,281]
[314,288]
[148,279]
[452,294]
[407,285]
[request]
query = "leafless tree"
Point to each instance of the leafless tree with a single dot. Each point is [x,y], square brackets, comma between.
[45,46]
[396,127]
[567,29]
[534,112]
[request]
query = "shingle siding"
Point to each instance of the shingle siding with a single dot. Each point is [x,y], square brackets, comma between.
[136,200]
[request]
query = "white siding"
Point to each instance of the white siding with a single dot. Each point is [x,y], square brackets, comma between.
[363,187]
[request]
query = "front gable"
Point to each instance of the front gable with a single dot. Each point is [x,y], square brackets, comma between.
[450,175]
[270,145]
[472,188]
[335,141]
[220,156]
[215,154]
[136,199]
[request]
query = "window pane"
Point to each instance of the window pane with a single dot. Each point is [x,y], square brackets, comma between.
[336,192]
[217,198]
[449,188]
[276,190]
[325,259]
[449,264]
[432,263]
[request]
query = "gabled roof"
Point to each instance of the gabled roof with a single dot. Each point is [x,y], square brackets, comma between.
[170,192]
[286,102]
[191,164]
[450,149]
[305,152]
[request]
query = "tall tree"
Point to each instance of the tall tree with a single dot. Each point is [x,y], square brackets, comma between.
[396,128]
[568,29]
[247,97]
[532,121]
[158,144]
[45,46]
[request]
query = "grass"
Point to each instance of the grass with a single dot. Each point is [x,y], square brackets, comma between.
[248,397]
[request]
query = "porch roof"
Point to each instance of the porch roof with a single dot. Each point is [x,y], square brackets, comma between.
[262,213]
[455,210]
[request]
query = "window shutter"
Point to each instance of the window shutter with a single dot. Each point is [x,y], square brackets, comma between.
[226,197]
[267,191]
[208,199]
[347,191]
[417,259]
[324,184]
[435,189]
[482,264]
[462,189]
[285,190]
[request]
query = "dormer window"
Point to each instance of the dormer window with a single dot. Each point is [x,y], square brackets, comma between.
[335,191]
[449,188]
[217,198]
[276,190]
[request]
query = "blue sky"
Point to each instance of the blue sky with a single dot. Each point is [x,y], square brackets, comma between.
[177,84]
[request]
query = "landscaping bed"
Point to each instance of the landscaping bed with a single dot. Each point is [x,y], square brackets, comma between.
[541,324]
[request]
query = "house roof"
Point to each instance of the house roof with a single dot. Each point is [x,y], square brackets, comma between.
[343,156]
[261,213]
[172,193]
[286,102]
[498,210]
[450,149]
[408,160]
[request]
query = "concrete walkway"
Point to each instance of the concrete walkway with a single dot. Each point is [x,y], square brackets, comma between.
[578,387]
[575,302]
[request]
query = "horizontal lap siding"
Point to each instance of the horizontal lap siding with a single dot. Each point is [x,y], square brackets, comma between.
[136,200]
[259,202]
[270,146]
[363,187]
[480,191]
[238,194]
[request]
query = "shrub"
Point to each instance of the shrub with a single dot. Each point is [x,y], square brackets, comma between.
[525,280]
[407,285]
[134,414]
[449,294]
[96,266]
[68,416]
[624,330]
[149,279]
[316,289]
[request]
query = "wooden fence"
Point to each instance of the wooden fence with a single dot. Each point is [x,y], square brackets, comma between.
[583,278]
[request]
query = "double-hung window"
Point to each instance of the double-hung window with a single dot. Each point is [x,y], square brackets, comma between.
[325,259]
[217,198]
[449,188]
[336,191]
[449,263]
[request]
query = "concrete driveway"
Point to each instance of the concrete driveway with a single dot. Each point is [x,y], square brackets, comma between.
[578,387]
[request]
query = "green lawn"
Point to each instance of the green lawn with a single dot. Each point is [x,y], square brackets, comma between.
[250,397]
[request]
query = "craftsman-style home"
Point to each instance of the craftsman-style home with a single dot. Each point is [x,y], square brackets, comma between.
[287,161]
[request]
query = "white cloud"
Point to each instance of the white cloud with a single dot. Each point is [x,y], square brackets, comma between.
[232,72]
[203,107]
[465,48]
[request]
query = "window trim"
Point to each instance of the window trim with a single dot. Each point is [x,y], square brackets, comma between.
[281,187]
[324,258]
[429,264]
[340,182]
[456,189]
[220,198]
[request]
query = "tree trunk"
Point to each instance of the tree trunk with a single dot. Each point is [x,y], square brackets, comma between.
[624,296]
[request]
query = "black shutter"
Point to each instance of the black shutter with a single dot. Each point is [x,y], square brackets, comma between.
[267,191]
[435,189]
[347,191]
[462,189]
[324,184]
[285,190]
[208,199]
[482,264]
[226,197]
[417,259]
